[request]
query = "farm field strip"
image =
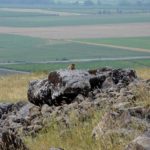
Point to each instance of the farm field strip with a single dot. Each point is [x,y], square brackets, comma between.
[111,46]
[145,63]
[17,51]
[83,31]
[35,19]
[78,60]
[133,42]
[42,11]
[57,51]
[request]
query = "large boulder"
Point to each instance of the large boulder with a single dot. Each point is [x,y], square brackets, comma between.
[63,86]
[39,92]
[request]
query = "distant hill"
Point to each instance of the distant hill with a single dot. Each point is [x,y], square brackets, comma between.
[112,2]
[89,2]
[26,2]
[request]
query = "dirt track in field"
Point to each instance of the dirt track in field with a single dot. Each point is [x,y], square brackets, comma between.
[113,46]
[84,31]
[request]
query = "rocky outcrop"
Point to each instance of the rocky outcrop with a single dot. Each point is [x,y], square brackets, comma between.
[79,91]
[64,85]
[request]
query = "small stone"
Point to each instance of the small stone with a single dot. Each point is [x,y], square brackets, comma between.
[37,128]
[34,112]
[96,91]
[27,118]
[131,97]
[46,108]
[37,121]
[80,98]
[73,105]
[107,83]
[121,105]
[45,121]
[56,149]
[30,128]
[85,105]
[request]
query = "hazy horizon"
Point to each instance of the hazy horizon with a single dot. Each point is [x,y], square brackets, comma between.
[77,2]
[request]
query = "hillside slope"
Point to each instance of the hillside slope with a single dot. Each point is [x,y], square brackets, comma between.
[109,110]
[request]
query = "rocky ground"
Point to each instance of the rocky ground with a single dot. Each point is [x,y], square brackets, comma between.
[80,91]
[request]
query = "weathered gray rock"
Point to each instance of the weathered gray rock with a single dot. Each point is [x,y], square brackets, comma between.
[123,76]
[5,108]
[39,92]
[63,86]
[142,142]
[46,109]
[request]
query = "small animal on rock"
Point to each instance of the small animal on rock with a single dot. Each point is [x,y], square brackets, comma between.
[72,67]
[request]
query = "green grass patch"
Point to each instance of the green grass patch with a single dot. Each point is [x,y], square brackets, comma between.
[14,48]
[31,51]
[83,65]
[13,20]
[9,14]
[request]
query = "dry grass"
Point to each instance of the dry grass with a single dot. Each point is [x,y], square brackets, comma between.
[143,96]
[14,87]
[78,137]
[143,73]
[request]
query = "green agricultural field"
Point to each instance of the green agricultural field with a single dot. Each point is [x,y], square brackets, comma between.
[83,65]
[107,9]
[135,42]
[8,14]
[26,49]
[81,10]
[25,20]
